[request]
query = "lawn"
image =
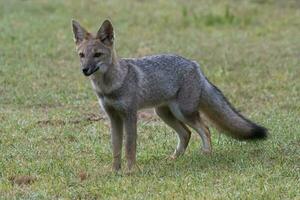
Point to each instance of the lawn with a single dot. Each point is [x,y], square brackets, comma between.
[54,140]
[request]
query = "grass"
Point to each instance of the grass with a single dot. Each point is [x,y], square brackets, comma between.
[54,143]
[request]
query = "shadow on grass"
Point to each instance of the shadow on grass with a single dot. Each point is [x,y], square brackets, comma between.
[221,161]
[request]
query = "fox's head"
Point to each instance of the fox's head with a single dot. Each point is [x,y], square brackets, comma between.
[96,52]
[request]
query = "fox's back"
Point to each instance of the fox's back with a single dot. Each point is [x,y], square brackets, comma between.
[162,76]
[162,63]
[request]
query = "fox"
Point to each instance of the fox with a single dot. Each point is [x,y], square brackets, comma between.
[174,86]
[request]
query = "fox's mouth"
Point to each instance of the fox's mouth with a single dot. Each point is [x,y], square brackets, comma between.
[90,71]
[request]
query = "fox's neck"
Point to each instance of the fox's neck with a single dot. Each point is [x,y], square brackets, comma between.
[105,83]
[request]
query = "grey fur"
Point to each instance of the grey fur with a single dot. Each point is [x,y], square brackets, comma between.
[173,85]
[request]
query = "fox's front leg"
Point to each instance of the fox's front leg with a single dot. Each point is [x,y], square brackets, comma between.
[130,124]
[116,137]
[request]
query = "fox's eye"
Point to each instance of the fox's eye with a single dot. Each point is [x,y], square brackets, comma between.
[98,54]
[81,55]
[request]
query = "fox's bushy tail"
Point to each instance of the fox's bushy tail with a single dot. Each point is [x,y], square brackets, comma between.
[219,111]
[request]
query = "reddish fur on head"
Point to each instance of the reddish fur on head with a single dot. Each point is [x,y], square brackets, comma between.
[96,52]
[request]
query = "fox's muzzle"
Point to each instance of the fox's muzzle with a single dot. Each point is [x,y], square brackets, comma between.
[87,71]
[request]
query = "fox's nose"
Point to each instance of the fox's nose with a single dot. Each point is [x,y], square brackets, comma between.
[85,70]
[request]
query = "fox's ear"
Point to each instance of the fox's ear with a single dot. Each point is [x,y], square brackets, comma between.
[106,33]
[79,32]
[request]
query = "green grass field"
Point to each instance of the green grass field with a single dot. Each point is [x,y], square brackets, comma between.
[55,144]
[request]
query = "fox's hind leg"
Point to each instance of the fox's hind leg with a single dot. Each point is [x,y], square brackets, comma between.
[198,125]
[182,131]
[193,120]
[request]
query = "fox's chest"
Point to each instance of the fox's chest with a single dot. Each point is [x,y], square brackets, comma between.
[100,87]
[117,105]
[105,100]
[97,88]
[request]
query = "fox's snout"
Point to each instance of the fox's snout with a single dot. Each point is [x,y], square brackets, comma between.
[87,71]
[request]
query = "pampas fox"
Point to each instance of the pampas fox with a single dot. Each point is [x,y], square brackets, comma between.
[175,86]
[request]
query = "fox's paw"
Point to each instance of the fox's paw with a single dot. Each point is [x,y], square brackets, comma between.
[175,155]
[171,157]
[132,170]
[207,151]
